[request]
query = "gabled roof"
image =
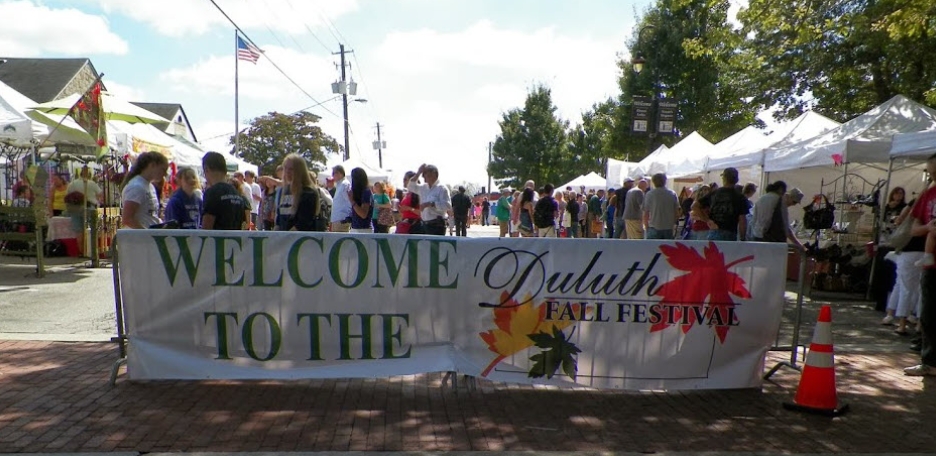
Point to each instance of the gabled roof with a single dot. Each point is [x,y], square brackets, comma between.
[167,110]
[41,80]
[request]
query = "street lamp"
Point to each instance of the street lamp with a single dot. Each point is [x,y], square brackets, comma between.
[638,63]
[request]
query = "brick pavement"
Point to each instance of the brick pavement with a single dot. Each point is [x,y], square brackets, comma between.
[54,397]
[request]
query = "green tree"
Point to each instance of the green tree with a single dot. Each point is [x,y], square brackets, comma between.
[273,136]
[595,139]
[532,143]
[840,57]
[691,56]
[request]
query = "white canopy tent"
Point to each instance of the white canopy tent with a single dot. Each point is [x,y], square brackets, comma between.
[688,156]
[374,174]
[591,181]
[864,139]
[913,146]
[850,160]
[748,149]
[15,127]
[14,106]
[616,171]
[650,164]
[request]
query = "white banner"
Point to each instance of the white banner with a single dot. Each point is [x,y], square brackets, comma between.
[596,313]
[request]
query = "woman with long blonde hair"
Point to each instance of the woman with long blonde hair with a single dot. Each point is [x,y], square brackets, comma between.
[299,203]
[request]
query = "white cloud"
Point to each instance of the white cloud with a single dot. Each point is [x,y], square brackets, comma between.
[215,76]
[30,30]
[447,90]
[190,17]
[125,92]
[443,110]
[215,134]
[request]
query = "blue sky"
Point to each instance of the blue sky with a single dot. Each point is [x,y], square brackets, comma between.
[437,73]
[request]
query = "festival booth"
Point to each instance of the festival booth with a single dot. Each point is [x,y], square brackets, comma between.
[688,156]
[650,164]
[850,161]
[22,142]
[590,181]
[682,163]
[847,168]
[616,171]
[109,167]
[683,159]
[746,150]
[374,174]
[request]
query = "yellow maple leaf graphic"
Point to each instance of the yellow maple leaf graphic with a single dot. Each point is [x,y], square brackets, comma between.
[514,324]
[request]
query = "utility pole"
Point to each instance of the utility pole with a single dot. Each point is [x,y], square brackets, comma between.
[490,148]
[379,147]
[344,99]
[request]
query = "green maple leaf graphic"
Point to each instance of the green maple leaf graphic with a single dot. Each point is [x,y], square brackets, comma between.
[557,351]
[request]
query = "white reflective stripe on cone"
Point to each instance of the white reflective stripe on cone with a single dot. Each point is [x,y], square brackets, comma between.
[819,359]
[823,334]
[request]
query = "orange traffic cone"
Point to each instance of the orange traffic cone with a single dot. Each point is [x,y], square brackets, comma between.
[816,392]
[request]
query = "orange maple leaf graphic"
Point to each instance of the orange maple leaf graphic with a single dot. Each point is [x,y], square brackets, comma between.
[708,277]
[515,323]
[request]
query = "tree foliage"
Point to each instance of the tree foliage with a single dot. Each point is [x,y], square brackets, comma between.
[691,54]
[599,136]
[532,143]
[273,136]
[840,57]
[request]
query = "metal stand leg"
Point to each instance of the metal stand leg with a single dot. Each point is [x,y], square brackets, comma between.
[471,382]
[115,370]
[121,338]
[794,353]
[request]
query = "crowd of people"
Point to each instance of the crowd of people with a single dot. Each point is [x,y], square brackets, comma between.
[292,200]
[289,200]
[647,209]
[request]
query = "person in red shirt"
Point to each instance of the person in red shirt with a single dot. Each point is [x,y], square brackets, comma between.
[924,224]
[409,209]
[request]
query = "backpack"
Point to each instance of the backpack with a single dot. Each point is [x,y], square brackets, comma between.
[323,214]
[543,213]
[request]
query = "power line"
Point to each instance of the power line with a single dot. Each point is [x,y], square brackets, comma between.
[276,18]
[330,26]
[309,29]
[357,66]
[241,31]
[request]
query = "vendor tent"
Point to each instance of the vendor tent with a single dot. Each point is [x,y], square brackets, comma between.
[916,145]
[591,181]
[749,150]
[15,127]
[374,174]
[15,106]
[616,171]
[864,139]
[688,156]
[650,164]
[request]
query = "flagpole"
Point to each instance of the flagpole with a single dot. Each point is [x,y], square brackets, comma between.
[236,96]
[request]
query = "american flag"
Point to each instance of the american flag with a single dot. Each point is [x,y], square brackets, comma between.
[246,51]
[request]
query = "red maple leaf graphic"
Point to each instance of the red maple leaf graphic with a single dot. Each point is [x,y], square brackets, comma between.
[708,277]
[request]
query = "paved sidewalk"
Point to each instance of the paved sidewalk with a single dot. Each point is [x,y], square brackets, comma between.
[54,397]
